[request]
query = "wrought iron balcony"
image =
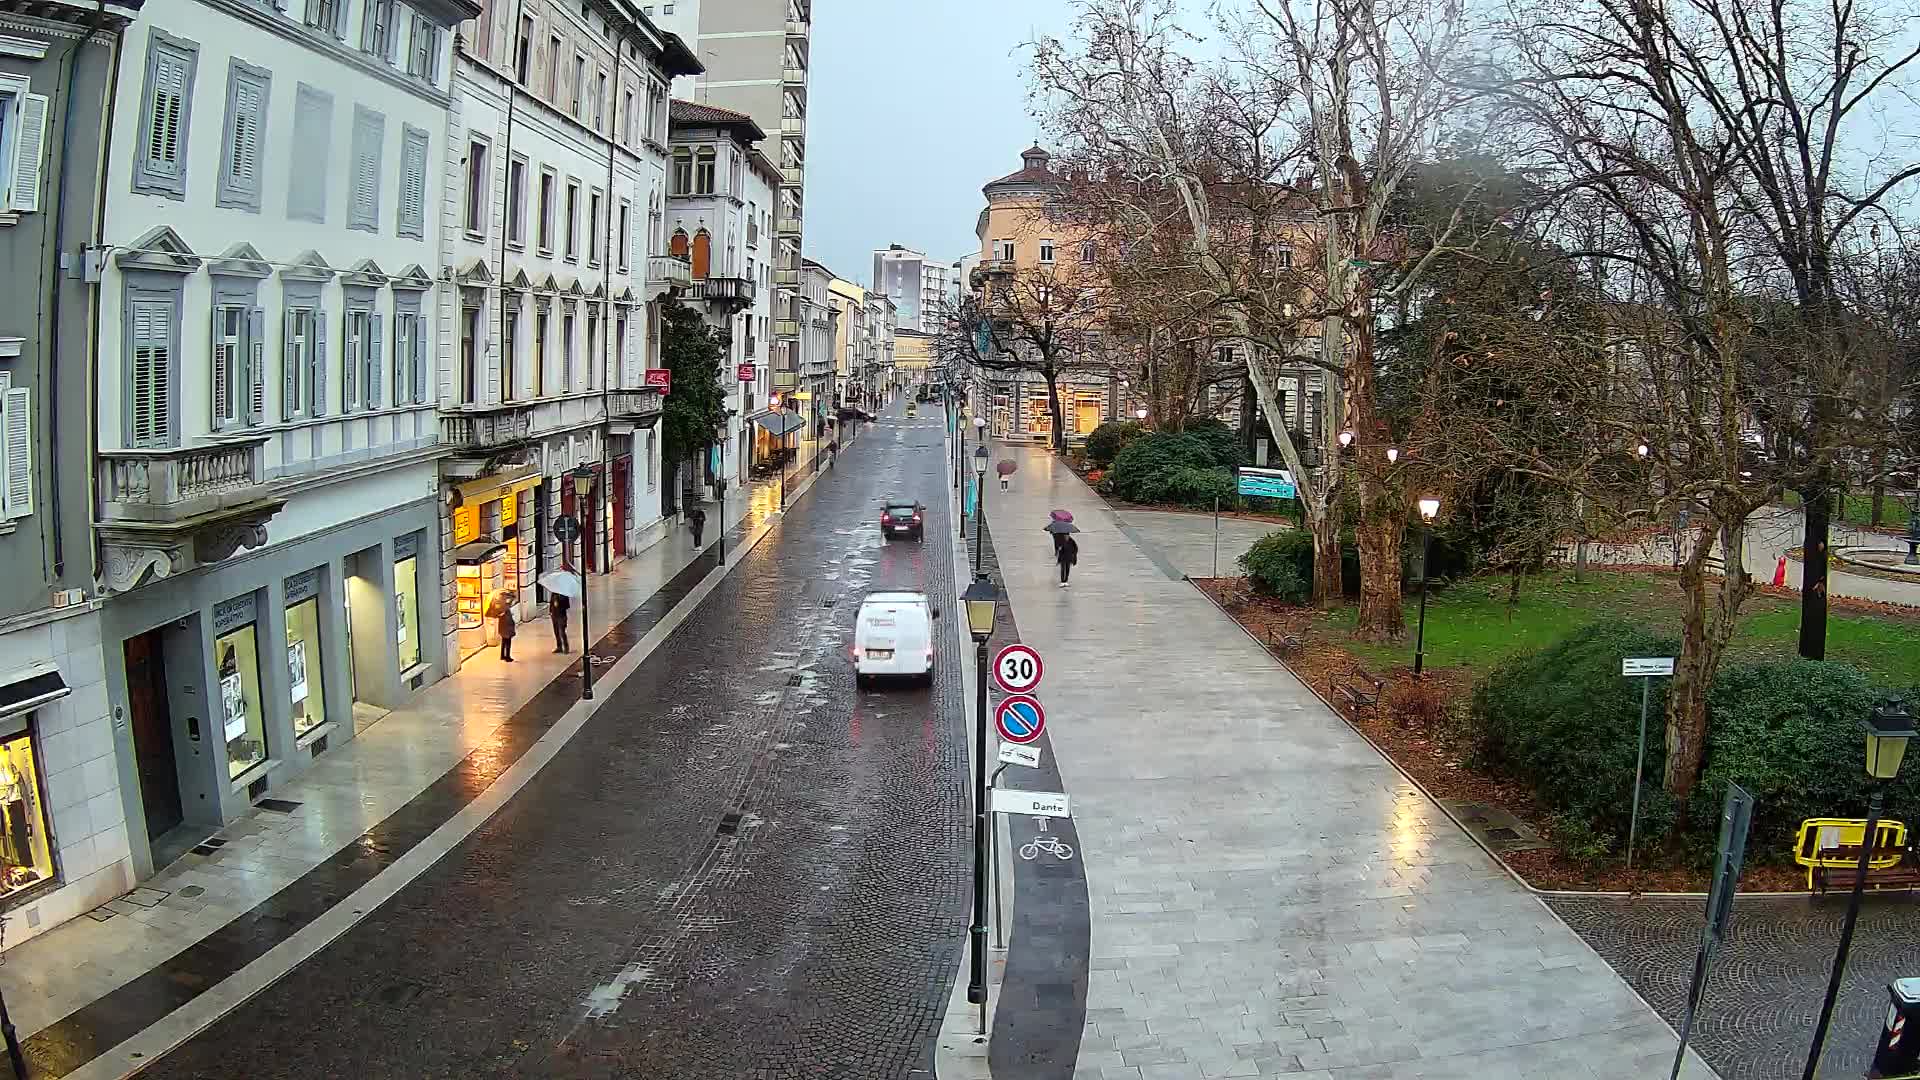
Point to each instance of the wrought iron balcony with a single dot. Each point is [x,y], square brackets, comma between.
[729,294]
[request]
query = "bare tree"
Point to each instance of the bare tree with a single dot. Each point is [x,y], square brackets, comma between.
[1032,321]
[1349,95]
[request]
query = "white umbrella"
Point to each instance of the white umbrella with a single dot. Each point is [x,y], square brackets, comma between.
[564,582]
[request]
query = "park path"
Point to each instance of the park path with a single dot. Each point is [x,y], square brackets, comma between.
[1267,893]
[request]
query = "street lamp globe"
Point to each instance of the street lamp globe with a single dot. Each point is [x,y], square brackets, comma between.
[1429,509]
[1346,439]
[979,422]
[582,480]
[1888,729]
[980,461]
[1643,450]
[1140,413]
[1393,454]
[982,600]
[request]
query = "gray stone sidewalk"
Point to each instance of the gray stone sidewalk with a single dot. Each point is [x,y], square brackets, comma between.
[1268,894]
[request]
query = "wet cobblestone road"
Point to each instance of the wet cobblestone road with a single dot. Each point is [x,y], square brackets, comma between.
[739,868]
[1769,975]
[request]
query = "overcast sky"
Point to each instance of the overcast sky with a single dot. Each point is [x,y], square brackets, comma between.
[913,104]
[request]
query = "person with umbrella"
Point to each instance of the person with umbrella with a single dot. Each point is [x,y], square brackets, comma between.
[502,612]
[557,605]
[1066,550]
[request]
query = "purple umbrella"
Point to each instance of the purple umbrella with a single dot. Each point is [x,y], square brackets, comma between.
[1062,515]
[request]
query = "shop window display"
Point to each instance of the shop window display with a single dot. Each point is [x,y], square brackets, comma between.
[26,859]
[237,665]
[303,666]
[406,589]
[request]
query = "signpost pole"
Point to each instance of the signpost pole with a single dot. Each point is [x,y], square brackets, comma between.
[979,503]
[1639,768]
[586,635]
[1216,536]
[977,979]
[1736,814]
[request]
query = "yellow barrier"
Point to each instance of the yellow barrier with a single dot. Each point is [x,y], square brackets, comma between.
[1820,835]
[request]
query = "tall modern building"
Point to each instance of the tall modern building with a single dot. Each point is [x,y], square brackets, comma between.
[917,286]
[755,53]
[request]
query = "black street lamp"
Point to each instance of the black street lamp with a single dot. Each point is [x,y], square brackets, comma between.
[1429,509]
[1913,537]
[982,601]
[582,496]
[979,503]
[1887,729]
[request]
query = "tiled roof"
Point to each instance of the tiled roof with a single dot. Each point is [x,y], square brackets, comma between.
[692,112]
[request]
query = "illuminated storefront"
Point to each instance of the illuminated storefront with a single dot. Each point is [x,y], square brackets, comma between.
[236,652]
[26,854]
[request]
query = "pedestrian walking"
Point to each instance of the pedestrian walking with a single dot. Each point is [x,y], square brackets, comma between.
[834,448]
[1066,552]
[503,621]
[557,605]
[697,518]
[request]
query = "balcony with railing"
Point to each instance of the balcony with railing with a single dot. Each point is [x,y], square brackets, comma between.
[786,328]
[785,277]
[168,511]
[787,225]
[792,176]
[665,274]
[795,77]
[486,428]
[798,30]
[989,269]
[636,404]
[725,294]
[793,127]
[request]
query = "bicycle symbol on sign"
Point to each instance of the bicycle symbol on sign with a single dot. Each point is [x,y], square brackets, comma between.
[1052,845]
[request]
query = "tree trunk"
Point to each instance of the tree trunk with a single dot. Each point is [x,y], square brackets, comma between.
[1053,409]
[1380,536]
[1704,633]
[1327,588]
[1383,512]
[1817,501]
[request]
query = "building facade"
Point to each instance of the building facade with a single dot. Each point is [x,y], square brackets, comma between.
[64,845]
[555,169]
[267,438]
[818,325]
[920,289]
[756,54]
[1019,239]
[719,217]
[882,322]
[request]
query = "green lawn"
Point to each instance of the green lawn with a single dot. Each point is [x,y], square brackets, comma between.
[1469,625]
[1857,508]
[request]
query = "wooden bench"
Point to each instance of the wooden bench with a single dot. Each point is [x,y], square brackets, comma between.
[1901,875]
[1360,688]
[1282,642]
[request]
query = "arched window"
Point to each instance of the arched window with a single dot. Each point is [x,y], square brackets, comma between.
[678,245]
[702,254]
[682,172]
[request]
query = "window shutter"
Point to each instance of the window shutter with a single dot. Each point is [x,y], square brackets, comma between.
[372,353]
[222,369]
[256,366]
[317,361]
[150,372]
[169,115]
[312,135]
[289,368]
[29,152]
[246,136]
[413,183]
[352,348]
[19,417]
[418,339]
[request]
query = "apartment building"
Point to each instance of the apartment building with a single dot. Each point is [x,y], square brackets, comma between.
[719,218]
[756,54]
[1019,239]
[555,172]
[817,326]
[64,847]
[267,437]
[883,319]
[918,287]
[852,341]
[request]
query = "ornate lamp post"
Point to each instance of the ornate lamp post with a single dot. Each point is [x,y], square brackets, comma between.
[1429,509]
[982,600]
[582,496]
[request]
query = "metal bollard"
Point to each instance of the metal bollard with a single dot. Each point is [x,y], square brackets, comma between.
[1898,1054]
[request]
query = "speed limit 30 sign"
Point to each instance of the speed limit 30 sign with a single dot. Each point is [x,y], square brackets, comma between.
[1017,669]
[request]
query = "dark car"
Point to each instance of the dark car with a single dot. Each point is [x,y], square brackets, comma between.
[902,517]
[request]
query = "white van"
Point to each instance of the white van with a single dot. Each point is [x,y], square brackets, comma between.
[893,636]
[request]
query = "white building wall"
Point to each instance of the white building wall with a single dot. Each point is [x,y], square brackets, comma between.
[220,36]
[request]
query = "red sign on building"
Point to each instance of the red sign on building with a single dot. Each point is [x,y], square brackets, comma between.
[660,379]
[747,373]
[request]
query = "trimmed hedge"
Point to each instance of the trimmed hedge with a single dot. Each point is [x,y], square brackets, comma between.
[1280,564]
[1564,721]
[1162,467]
